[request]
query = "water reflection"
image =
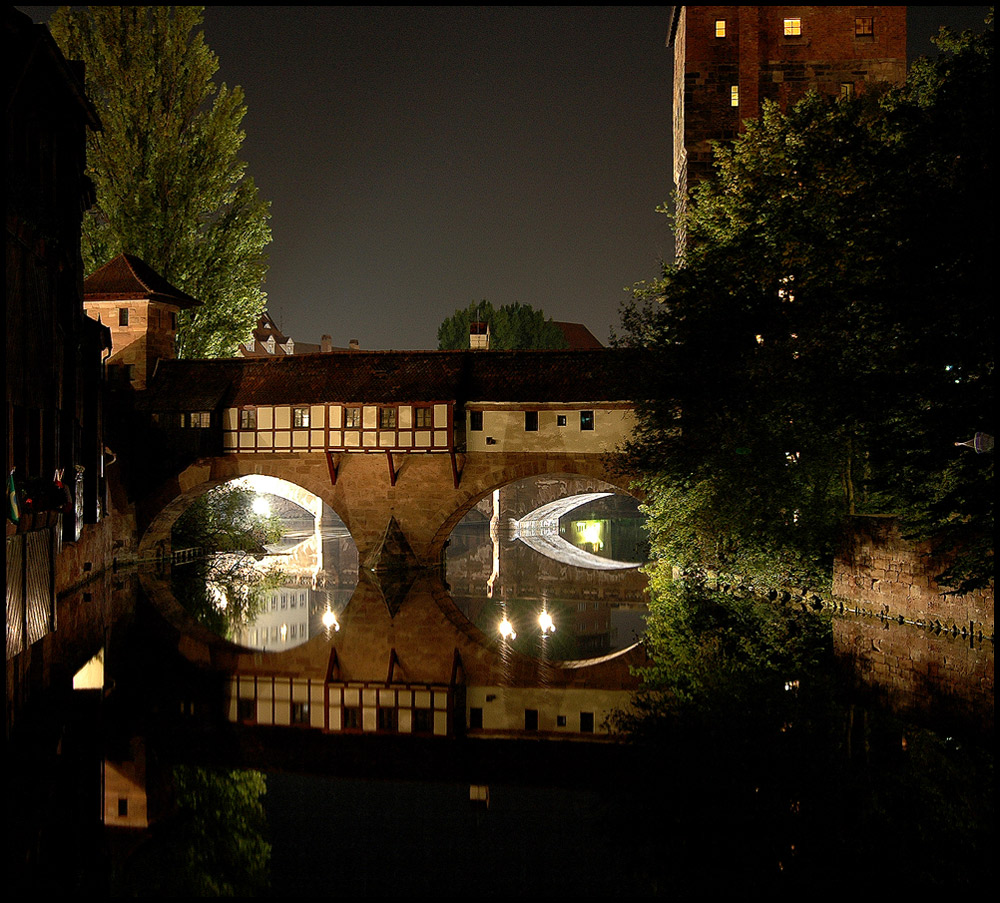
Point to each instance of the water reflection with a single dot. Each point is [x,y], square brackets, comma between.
[562,549]
[291,588]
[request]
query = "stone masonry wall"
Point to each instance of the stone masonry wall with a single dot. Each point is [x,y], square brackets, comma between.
[879,571]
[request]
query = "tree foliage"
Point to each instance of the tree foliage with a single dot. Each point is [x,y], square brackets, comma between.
[513,327]
[828,336]
[225,588]
[171,187]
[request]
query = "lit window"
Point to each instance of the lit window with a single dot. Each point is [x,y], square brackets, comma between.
[586,420]
[386,418]
[864,27]
[352,418]
[423,418]
[793,27]
[300,416]
[476,421]
[199,420]
[734,96]
[847,90]
[248,419]
[720,28]
[531,421]
[123,316]
[560,420]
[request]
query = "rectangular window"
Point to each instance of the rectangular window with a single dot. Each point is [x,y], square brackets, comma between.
[864,27]
[423,721]
[352,418]
[173,321]
[734,96]
[123,316]
[847,90]
[300,417]
[531,421]
[248,419]
[246,710]
[352,718]
[200,420]
[586,722]
[720,28]
[793,27]
[423,418]
[300,713]
[560,420]
[475,718]
[586,420]
[476,421]
[386,418]
[387,720]
[122,807]
[531,719]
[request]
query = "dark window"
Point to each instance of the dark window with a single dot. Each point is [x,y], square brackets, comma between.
[123,316]
[352,718]
[173,321]
[387,719]
[560,721]
[531,719]
[300,416]
[352,418]
[531,421]
[300,713]
[386,418]
[423,418]
[586,420]
[246,710]
[476,421]
[586,722]
[122,806]
[560,420]
[475,718]
[248,419]
[423,721]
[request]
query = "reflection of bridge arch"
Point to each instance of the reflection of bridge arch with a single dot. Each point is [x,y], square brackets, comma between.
[539,530]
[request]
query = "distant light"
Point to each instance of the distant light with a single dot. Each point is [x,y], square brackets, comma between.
[261,507]
[545,622]
[507,629]
[330,620]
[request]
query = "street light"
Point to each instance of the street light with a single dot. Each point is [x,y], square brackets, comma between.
[546,623]
[507,629]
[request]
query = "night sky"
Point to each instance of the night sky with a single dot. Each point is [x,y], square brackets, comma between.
[420,158]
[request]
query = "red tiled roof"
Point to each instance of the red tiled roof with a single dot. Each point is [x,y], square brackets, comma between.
[605,375]
[128,278]
[578,337]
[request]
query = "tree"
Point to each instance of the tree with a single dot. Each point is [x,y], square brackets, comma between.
[513,327]
[225,588]
[828,336]
[171,187]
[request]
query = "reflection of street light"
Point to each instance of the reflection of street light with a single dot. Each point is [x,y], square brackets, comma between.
[546,623]
[330,620]
[507,629]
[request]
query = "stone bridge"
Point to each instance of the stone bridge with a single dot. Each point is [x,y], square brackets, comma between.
[399,444]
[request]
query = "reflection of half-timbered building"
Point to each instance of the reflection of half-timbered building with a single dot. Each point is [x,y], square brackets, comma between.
[396,403]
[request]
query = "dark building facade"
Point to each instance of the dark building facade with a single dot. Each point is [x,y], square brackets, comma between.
[728,60]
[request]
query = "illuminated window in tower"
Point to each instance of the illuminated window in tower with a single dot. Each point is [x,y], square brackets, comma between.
[864,27]
[720,28]
[734,96]
[793,27]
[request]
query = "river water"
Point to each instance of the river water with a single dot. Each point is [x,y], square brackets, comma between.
[878,776]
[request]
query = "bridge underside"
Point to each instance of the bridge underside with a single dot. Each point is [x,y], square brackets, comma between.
[418,494]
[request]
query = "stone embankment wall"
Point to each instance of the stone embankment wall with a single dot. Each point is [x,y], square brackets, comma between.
[878,571]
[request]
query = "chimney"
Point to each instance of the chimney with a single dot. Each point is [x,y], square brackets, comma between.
[326,343]
[355,345]
[479,336]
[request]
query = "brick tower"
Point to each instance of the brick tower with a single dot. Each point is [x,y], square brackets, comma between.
[729,59]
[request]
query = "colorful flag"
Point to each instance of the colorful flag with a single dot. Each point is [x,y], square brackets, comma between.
[13,505]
